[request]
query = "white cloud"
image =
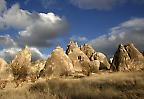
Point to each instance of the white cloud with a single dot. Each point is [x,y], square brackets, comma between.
[36,54]
[18,18]
[7,41]
[43,30]
[36,29]
[9,53]
[97,4]
[80,39]
[129,31]
[2,6]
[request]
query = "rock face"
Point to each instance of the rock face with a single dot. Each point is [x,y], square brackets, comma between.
[95,65]
[127,58]
[20,64]
[5,71]
[104,63]
[88,50]
[35,68]
[134,53]
[93,55]
[79,60]
[58,64]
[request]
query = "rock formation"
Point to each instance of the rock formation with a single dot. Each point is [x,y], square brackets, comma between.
[34,69]
[134,53]
[58,64]
[127,58]
[93,55]
[88,50]
[5,71]
[79,60]
[20,64]
[104,63]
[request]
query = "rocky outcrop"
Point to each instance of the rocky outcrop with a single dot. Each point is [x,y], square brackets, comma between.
[121,60]
[94,66]
[93,55]
[58,64]
[20,64]
[133,52]
[34,70]
[127,58]
[5,71]
[104,63]
[88,50]
[79,60]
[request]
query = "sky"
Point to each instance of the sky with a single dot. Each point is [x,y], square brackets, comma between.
[44,24]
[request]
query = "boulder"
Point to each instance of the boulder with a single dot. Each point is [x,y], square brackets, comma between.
[93,55]
[88,50]
[58,64]
[104,63]
[20,64]
[95,65]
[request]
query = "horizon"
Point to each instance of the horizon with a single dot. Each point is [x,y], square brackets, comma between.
[44,24]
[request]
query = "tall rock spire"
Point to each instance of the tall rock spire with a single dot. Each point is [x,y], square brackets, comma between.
[58,64]
[80,61]
[20,63]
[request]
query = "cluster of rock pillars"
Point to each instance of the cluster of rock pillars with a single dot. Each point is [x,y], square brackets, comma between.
[75,62]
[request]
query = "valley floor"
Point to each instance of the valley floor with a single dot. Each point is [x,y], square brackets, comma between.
[119,85]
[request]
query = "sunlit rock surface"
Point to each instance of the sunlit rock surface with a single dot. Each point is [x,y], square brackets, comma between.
[88,50]
[79,60]
[5,70]
[93,55]
[58,64]
[34,69]
[20,64]
[127,58]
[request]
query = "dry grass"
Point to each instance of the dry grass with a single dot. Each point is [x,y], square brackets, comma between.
[99,86]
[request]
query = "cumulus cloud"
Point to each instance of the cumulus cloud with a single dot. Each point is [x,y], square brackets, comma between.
[18,18]
[43,30]
[9,53]
[7,41]
[129,31]
[36,29]
[97,4]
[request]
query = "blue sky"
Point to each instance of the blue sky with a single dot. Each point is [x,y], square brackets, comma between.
[103,24]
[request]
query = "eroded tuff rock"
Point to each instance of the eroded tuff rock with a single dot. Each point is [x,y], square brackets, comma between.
[79,60]
[121,60]
[58,64]
[20,64]
[93,55]
[133,52]
[88,50]
[5,71]
[127,58]
[35,68]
